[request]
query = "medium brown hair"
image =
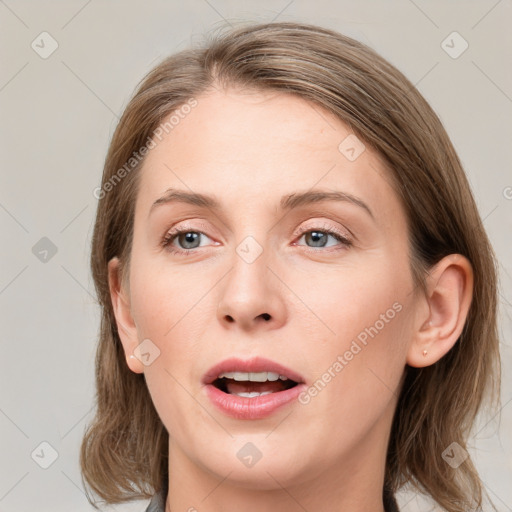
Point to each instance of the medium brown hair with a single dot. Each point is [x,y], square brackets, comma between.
[124,451]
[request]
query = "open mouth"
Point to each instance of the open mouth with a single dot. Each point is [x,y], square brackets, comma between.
[252,389]
[252,384]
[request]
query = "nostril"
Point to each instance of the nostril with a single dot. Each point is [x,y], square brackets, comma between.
[266,316]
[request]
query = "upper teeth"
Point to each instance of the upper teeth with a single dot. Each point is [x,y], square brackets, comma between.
[254,377]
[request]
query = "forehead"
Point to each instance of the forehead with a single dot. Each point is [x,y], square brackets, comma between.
[249,146]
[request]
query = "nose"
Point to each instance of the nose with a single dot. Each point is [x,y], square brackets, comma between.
[251,296]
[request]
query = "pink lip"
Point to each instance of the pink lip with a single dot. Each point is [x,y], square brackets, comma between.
[256,364]
[259,407]
[251,408]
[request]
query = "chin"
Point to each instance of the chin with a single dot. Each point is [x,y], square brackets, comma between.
[272,471]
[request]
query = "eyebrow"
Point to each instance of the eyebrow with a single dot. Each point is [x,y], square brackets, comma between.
[288,202]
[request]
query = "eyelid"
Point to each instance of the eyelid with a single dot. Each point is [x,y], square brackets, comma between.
[323,225]
[198,227]
[326,216]
[178,229]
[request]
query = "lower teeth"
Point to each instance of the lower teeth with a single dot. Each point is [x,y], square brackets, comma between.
[253,394]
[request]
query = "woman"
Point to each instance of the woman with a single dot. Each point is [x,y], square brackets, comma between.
[298,295]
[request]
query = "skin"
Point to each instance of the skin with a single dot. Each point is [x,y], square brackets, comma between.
[248,149]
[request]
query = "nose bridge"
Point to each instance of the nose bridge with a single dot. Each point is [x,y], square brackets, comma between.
[248,279]
[249,295]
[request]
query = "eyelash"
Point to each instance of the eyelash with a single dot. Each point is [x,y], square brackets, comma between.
[171,235]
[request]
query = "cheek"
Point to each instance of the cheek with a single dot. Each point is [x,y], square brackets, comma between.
[171,314]
[163,297]
[355,376]
[365,329]
[170,308]
[347,301]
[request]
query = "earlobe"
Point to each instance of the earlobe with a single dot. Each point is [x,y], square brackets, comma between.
[449,294]
[125,324]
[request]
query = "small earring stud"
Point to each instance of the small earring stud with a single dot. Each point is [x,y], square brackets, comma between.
[425,352]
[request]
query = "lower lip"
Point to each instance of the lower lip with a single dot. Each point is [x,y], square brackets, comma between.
[244,408]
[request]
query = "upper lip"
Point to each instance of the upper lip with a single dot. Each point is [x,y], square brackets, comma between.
[253,365]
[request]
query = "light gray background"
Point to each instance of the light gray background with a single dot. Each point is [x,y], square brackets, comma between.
[58,115]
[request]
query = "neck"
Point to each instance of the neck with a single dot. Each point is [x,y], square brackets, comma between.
[355,483]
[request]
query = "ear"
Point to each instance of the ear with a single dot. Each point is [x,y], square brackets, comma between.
[446,305]
[125,324]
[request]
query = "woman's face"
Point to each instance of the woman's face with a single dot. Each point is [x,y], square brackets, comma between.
[263,274]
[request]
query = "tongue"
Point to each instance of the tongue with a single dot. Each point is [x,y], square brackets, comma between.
[234,386]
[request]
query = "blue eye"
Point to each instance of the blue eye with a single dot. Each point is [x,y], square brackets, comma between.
[319,237]
[189,239]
